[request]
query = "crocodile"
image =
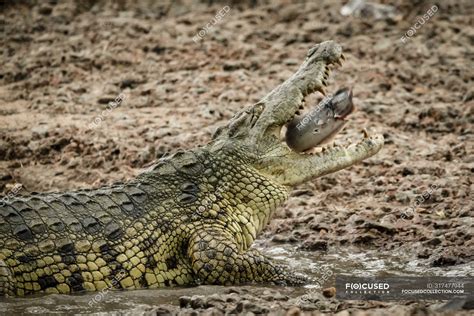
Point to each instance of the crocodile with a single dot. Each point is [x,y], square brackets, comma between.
[190,219]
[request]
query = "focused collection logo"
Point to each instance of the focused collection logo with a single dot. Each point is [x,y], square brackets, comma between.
[367,288]
[402,287]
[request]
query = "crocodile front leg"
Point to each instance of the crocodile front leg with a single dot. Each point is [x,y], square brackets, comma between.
[216,258]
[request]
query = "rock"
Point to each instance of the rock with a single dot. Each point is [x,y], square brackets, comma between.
[274,296]
[254,308]
[106,100]
[319,223]
[433,242]
[329,292]
[424,253]
[3,149]
[370,10]
[288,13]
[197,301]
[293,311]
[212,312]
[364,238]
[60,143]
[280,238]
[280,297]
[45,10]
[443,260]
[231,66]
[184,301]
[129,83]
[40,131]
[238,308]
[233,290]
[407,171]
[384,228]
[315,245]
[163,311]
[468,96]
[302,192]
[158,49]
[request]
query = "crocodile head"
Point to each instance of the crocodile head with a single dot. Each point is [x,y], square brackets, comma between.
[258,128]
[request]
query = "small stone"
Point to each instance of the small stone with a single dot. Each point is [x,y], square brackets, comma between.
[468,96]
[158,49]
[280,238]
[41,130]
[254,308]
[384,228]
[162,311]
[364,238]
[129,83]
[433,242]
[444,259]
[106,100]
[184,301]
[231,66]
[238,308]
[406,171]
[293,311]
[315,245]
[329,292]
[45,10]
[198,302]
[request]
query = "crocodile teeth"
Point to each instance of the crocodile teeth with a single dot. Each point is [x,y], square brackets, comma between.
[366,134]
[324,82]
[290,119]
[320,89]
[343,57]
[339,62]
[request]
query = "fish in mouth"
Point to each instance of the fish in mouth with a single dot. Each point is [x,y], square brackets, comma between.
[321,124]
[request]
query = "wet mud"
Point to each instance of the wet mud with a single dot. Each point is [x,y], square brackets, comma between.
[94,92]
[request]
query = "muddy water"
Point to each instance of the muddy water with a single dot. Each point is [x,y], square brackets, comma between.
[322,267]
[357,262]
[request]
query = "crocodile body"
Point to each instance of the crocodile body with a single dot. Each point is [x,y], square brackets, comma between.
[190,220]
[141,233]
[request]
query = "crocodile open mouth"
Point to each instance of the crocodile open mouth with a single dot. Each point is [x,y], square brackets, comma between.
[311,132]
[292,148]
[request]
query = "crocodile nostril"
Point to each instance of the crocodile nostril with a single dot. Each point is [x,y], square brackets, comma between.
[187,198]
[189,187]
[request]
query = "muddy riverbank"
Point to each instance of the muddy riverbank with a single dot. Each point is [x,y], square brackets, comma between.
[407,210]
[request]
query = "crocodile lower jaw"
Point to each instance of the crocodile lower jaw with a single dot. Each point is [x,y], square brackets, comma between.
[374,139]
